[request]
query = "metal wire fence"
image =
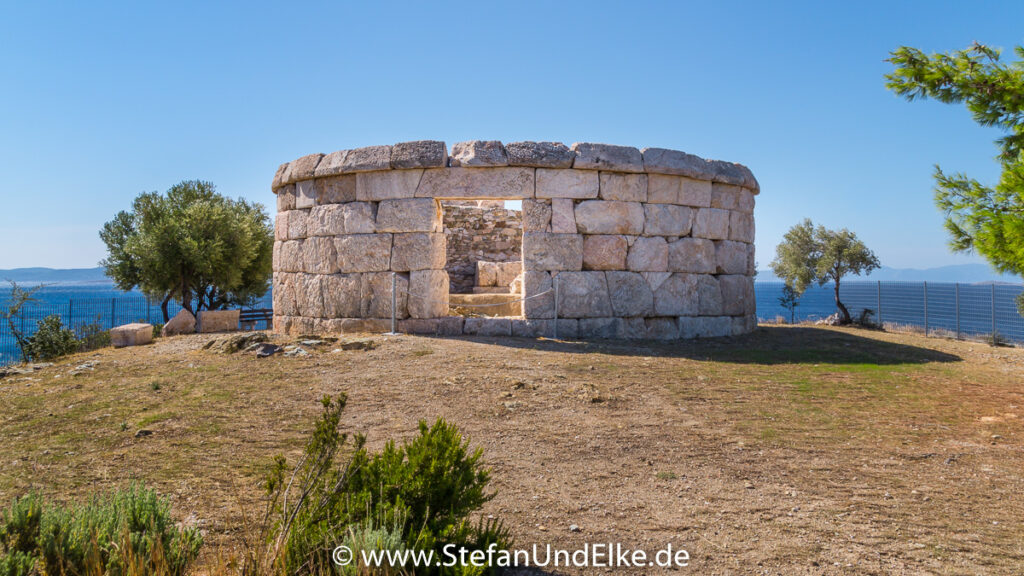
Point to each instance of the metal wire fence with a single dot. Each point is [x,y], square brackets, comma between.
[935,308]
[86,315]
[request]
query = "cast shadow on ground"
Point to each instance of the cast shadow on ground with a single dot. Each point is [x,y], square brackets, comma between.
[768,345]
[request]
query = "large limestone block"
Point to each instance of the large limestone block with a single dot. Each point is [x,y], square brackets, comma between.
[286,198]
[664,161]
[543,251]
[661,328]
[662,189]
[694,255]
[327,220]
[291,257]
[604,252]
[363,253]
[583,295]
[418,251]
[375,295]
[360,217]
[368,159]
[577,184]
[319,256]
[309,296]
[134,334]
[725,196]
[428,293]
[563,219]
[605,217]
[741,227]
[539,154]
[709,296]
[283,294]
[507,183]
[711,223]
[419,154]
[280,176]
[751,261]
[331,164]
[731,257]
[623,187]
[296,223]
[303,168]
[365,325]
[705,326]
[536,283]
[667,220]
[305,194]
[182,323]
[630,294]
[487,326]
[648,254]
[374,186]
[733,173]
[534,328]
[446,326]
[479,153]
[591,156]
[677,296]
[537,216]
[599,328]
[218,321]
[746,202]
[341,295]
[737,294]
[744,324]
[409,215]
[336,189]
[281,227]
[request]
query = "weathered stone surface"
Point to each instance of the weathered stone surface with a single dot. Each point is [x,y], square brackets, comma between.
[446,326]
[578,184]
[605,217]
[725,196]
[279,176]
[331,165]
[604,252]
[418,251]
[534,283]
[309,296]
[487,326]
[286,198]
[731,257]
[327,220]
[623,187]
[372,186]
[305,194]
[341,295]
[216,321]
[744,324]
[419,154]
[667,220]
[656,279]
[563,219]
[295,221]
[741,227]
[360,217]
[583,295]
[677,296]
[319,256]
[663,161]
[507,183]
[662,189]
[737,294]
[746,201]
[711,223]
[281,226]
[539,154]
[500,274]
[409,215]
[365,325]
[709,296]
[537,216]
[704,326]
[629,293]
[363,253]
[591,156]
[291,259]
[475,153]
[534,328]
[598,328]
[302,169]
[751,261]
[367,159]
[375,295]
[661,328]
[336,189]
[648,254]
[134,334]
[283,294]
[182,323]
[694,255]
[732,173]
[543,251]
[428,292]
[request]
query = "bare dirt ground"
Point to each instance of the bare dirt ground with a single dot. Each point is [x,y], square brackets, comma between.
[794,450]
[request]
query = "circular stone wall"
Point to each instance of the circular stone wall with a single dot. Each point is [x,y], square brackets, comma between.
[637,244]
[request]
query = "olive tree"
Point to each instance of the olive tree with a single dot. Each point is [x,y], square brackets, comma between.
[191,244]
[811,254]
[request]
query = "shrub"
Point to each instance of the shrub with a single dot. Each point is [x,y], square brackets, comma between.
[92,336]
[127,532]
[51,340]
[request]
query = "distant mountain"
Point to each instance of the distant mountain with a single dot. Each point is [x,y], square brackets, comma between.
[963,273]
[67,275]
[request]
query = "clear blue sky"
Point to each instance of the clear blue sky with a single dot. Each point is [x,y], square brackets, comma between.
[103,101]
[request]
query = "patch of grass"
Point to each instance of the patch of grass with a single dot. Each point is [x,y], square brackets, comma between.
[666,476]
[422,352]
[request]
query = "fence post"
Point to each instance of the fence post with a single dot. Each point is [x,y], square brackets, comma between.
[926,309]
[993,312]
[554,322]
[879,294]
[957,310]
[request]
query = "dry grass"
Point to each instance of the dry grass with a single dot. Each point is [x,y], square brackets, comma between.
[792,450]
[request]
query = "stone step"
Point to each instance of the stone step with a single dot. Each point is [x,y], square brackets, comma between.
[467,304]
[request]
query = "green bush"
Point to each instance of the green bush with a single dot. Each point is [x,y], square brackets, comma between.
[52,339]
[92,336]
[125,533]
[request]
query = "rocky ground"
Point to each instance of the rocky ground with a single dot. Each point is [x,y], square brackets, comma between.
[794,450]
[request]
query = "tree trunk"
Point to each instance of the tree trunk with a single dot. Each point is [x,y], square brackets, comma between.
[844,314]
[163,308]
